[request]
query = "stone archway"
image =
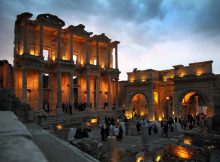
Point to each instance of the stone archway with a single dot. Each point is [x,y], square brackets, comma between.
[193,102]
[167,111]
[138,104]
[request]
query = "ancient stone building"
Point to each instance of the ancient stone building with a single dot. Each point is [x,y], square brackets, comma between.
[179,92]
[6,75]
[54,65]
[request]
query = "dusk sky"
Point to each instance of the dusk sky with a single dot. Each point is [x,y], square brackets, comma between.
[154,34]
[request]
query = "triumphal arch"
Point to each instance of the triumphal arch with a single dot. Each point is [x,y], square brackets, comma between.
[54,65]
[177,92]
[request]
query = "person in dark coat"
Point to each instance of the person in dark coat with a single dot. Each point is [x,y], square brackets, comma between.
[165,128]
[138,126]
[120,135]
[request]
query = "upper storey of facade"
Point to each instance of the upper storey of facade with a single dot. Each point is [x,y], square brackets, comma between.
[46,39]
[198,69]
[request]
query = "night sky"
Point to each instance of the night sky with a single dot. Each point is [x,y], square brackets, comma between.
[154,34]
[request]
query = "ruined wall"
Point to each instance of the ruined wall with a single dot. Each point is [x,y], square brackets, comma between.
[6,75]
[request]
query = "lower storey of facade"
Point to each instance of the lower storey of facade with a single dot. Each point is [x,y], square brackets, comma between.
[53,90]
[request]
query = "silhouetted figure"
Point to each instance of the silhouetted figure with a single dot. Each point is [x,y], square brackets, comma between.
[165,128]
[138,126]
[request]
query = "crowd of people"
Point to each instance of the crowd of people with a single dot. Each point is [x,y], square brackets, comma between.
[111,127]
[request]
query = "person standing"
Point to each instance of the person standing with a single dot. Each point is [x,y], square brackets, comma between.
[165,127]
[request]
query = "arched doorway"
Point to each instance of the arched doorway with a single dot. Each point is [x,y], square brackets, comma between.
[168,107]
[193,103]
[138,103]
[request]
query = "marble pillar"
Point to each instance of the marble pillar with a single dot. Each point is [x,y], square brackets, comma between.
[97,52]
[41,40]
[40,90]
[25,50]
[59,92]
[71,99]
[98,93]
[109,92]
[116,93]
[59,45]
[87,90]
[24,85]
[71,47]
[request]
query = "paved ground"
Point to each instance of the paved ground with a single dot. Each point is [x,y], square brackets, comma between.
[55,149]
[126,142]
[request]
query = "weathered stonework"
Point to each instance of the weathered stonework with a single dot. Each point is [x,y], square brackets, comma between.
[175,92]
[55,66]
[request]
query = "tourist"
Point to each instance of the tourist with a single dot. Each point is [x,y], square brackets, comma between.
[63,106]
[115,131]
[138,126]
[70,109]
[165,128]
[103,132]
[120,136]
[155,130]
[149,127]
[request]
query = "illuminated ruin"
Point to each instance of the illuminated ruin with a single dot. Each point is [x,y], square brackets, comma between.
[176,92]
[55,65]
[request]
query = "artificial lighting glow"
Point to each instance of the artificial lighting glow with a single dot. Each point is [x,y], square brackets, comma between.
[82,62]
[143,80]
[94,121]
[187,97]
[183,152]
[46,74]
[21,52]
[32,52]
[64,57]
[187,141]
[139,159]
[74,58]
[167,98]
[59,126]
[182,74]
[156,97]
[158,157]
[199,72]
[164,78]
[142,113]
[94,62]
[53,57]
[173,113]
[128,114]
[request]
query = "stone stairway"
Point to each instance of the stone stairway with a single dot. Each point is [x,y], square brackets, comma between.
[76,119]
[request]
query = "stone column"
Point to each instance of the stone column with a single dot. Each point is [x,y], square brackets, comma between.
[40,90]
[41,40]
[71,47]
[109,56]
[87,51]
[59,92]
[58,45]
[109,92]
[98,93]
[71,99]
[116,93]
[24,85]
[25,50]
[87,90]
[116,57]
[97,51]
[197,105]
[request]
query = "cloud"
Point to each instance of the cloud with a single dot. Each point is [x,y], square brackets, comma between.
[153,33]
